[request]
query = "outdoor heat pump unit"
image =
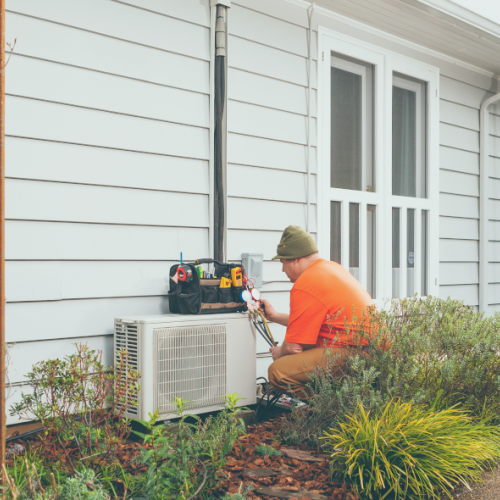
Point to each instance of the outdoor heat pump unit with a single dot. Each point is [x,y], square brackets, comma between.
[196,358]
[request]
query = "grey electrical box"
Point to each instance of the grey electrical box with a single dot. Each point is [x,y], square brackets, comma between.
[253,264]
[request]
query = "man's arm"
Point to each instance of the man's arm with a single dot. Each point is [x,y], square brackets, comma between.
[273,315]
[288,348]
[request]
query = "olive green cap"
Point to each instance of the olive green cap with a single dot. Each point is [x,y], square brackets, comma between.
[295,243]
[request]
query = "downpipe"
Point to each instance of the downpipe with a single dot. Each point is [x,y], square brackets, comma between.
[484,134]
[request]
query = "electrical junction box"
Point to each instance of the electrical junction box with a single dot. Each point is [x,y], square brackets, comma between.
[253,264]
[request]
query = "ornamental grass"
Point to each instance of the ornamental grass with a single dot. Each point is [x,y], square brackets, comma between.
[412,452]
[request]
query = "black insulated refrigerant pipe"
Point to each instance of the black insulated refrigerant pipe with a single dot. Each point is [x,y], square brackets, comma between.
[219,133]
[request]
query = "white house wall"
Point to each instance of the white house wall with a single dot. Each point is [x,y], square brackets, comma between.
[108,148]
[107,166]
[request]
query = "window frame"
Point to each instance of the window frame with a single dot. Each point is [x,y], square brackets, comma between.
[386,63]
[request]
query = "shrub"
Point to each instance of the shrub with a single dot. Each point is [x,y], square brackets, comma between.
[185,464]
[28,485]
[81,404]
[410,451]
[441,353]
[83,487]
[269,451]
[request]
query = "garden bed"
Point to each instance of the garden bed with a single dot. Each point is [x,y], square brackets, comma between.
[416,418]
[287,472]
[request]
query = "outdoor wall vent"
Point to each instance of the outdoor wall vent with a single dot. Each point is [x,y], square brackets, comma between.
[195,358]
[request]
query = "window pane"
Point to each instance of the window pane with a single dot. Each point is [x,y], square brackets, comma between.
[396,213]
[408,137]
[354,239]
[424,252]
[371,256]
[335,241]
[410,248]
[351,124]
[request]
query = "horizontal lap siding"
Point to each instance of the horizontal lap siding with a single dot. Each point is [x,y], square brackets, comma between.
[459,188]
[267,144]
[107,165]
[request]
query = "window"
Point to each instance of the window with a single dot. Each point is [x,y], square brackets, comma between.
[351,124]
[378,191]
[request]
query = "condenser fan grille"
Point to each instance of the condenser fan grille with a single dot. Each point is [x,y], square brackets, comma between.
[191,365]
[126,338]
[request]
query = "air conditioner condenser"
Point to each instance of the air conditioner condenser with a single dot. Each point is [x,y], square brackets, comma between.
[195,358]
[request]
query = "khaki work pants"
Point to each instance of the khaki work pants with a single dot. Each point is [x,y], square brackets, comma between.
[289,374]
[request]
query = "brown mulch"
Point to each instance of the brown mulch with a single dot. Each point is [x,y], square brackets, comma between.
[302,475]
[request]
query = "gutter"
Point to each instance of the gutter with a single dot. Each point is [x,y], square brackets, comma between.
[484,135]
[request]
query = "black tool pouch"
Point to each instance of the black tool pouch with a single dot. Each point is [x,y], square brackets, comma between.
[204,296]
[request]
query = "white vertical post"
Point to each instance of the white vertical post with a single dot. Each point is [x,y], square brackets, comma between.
[344,232]
[403,258]
[418,252]
[363,245]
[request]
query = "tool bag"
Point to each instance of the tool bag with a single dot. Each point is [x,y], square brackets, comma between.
[204,295]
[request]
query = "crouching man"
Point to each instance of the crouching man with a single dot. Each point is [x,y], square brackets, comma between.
[322,301]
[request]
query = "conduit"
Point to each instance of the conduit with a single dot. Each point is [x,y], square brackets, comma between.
[220,110]
[310,13]
[2,232]
[484,134]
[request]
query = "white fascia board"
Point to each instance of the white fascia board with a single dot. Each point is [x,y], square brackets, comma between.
[214,3]
[459,13]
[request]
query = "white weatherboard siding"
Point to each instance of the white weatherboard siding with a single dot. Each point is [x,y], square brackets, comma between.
[107,166]
[267,143]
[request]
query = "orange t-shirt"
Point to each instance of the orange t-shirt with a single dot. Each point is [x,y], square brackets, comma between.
[325,289]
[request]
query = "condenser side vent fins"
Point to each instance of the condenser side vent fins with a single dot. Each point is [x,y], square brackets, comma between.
[126,337]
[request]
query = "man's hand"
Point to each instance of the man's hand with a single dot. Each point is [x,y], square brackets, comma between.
[288,348]
[272,315]
[269,310]
[275,352]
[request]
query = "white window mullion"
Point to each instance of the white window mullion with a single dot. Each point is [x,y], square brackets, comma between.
[363,244]
[404,253]
[344,228]
[418,252]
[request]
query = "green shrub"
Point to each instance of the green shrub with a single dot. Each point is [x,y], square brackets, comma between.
[83,487]
[441,352]
[269,451]
[81,404]
[185,464]
[410,451]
